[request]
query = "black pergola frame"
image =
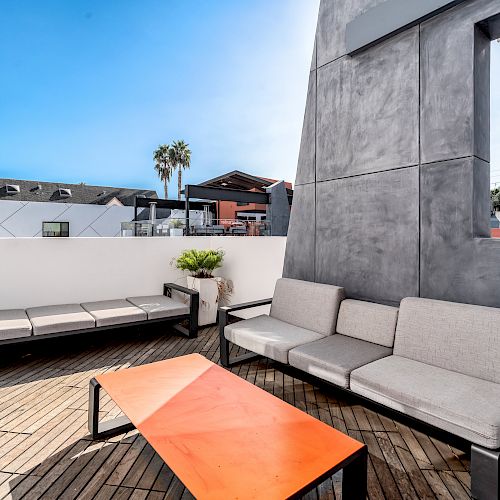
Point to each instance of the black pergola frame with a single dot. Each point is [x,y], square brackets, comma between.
[143,202]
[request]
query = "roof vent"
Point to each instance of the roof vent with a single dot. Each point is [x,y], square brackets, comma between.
[64,193]
[12,188]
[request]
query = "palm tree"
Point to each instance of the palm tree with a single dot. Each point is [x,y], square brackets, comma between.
[182,160]
[164,166]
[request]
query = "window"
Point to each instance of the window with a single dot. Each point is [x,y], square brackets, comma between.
[12,189]
[55,229]
[241,204]
[64,193]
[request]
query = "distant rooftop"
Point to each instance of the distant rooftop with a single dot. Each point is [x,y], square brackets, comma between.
[240,180]
[23,190]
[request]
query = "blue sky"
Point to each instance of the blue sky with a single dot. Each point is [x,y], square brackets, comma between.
[89,87]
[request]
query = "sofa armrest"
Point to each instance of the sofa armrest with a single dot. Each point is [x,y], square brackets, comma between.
[245,305]
[225,311]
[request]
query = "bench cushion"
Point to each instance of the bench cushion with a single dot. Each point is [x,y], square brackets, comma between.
[465,406]
[269,336]
[459,337]
[367,321]
[114,312]
[14,323]
[333,358]
[312,306]
[159,306]
[61,318]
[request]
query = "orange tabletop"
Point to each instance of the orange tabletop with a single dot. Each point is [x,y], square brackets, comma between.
[223,437]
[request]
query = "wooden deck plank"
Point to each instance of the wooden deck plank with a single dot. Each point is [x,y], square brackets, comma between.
[46,452]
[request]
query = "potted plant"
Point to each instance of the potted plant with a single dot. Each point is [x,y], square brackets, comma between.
[201,264]
[176,227]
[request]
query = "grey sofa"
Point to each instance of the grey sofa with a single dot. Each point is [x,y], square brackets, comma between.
[432,361]
[36,323]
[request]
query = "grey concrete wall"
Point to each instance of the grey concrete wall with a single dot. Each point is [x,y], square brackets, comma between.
[392,186]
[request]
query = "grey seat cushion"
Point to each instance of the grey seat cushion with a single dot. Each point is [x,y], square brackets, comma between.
[269,336]
[159,306]
[14,323]
[460,404]
[114,312]
[312,306]
[459,337]
[333,358]
[368,321]
[61,318]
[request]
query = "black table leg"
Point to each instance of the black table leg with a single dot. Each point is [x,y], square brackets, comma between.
[354,477]
[104,429]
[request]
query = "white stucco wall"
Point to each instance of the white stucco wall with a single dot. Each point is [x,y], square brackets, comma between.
[24,219]
[44,271]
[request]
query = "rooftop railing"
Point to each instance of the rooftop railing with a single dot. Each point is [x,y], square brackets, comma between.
[177,227]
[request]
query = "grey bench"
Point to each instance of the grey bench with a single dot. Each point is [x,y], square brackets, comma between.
[36,323]
[434,362]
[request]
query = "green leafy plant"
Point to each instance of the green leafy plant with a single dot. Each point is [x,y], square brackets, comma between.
[176,223]
[200,263]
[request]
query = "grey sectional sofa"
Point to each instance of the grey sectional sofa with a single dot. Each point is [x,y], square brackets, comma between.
[431,361]
[36,323]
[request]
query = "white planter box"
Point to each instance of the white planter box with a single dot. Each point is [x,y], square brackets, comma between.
[209,292]
[176,231]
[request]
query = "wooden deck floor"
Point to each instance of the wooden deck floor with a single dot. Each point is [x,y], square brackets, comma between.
[46,452]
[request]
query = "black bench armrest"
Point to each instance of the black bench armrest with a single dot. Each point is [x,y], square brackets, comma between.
[194,304]
[168,287]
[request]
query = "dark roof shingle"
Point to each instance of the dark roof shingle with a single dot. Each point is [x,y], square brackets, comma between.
[80,193]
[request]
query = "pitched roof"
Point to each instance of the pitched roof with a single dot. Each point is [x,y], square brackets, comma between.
[80,193]
[240,180]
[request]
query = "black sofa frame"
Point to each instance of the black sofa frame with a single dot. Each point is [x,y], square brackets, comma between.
[190,332]
[485,462]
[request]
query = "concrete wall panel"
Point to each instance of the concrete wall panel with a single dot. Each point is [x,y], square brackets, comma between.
[367,235]
[301,235]
[333,18]
[368,110]
[453,119]
[306,167]
[458,265]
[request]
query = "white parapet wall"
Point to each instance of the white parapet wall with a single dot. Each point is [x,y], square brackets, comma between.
[45,271]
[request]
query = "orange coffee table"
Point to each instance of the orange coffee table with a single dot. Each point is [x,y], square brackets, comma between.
[225,438]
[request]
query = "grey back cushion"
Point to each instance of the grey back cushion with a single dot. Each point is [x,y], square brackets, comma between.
[374,323]
[312,306]
[459,337]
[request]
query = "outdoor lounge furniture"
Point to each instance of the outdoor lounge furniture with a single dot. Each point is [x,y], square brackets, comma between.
[223,437]
[17,325]
[14,323]
[433,362]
